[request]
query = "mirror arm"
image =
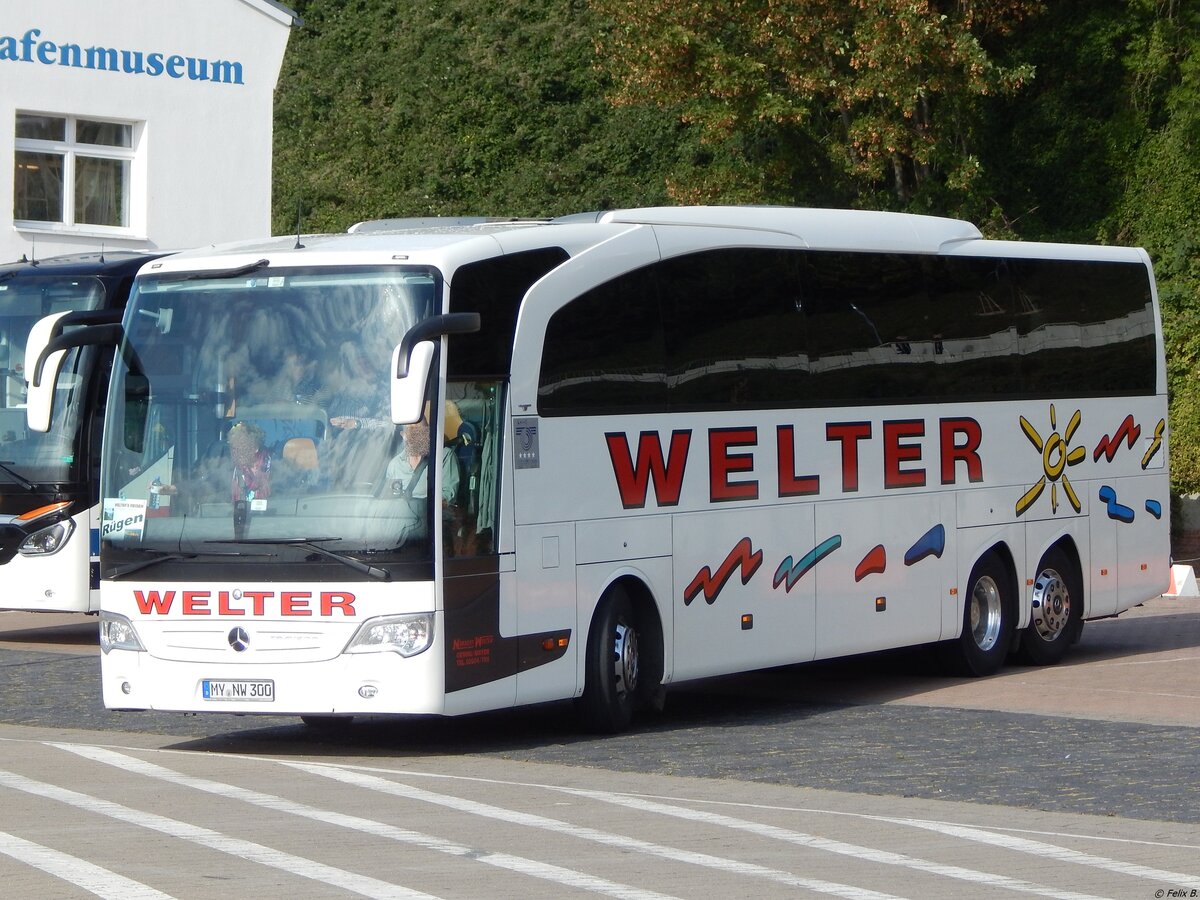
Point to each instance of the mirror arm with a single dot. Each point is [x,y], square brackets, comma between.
[96,335]
[436,326]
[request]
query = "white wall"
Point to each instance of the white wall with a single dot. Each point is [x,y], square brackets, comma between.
[203,173]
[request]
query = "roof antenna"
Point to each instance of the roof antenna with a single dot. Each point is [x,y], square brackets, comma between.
[299,203]
[33,260]
[101,253]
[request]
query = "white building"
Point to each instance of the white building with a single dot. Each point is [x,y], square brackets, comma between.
[136,123]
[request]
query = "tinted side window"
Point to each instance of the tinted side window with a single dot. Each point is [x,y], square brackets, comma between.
[977,350]
[735,329]
[1086,328]
[604,351]
[873,329]
[494,288]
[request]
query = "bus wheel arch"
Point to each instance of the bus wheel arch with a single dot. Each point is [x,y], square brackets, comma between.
[989,616]
[623,668]
[1056,606]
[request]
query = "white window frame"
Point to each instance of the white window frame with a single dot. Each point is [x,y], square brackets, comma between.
[70,149]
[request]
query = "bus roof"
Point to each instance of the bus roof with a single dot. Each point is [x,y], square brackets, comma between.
[109,262]
[452,241]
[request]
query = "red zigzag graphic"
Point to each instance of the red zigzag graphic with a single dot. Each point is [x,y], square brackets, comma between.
[1129,432]
[743,554]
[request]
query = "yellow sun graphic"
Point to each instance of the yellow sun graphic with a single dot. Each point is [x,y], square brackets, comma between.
[1056,456]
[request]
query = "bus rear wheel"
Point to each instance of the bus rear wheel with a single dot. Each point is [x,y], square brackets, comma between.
[1056,613]
[612,669]
[988,613]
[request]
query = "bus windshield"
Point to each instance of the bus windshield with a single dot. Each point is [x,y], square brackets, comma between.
[253,409]
[41,458]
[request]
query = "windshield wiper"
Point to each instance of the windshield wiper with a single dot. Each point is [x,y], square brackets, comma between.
[314,545]
[130,568]
[16,476]
[229,273]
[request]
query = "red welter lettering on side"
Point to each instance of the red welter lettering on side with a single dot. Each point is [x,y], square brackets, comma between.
[154,602]
[967,452]
[896,453]
[742,555]
[791,484]
[722,464]
[848,434]
[633,479]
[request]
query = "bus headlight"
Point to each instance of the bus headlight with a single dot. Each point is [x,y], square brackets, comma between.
[406,635]
[47,540]
[118,633]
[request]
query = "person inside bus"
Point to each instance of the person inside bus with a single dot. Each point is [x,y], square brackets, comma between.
[407,470]
[239,467]
[251,463]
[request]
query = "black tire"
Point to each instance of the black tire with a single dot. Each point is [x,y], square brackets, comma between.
[989,613]
[612,667]
[1056,613]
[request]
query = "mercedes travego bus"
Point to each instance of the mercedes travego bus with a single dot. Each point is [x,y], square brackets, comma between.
[444,467]
[49,481]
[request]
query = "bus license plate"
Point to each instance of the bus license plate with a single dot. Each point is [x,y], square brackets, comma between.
[262,691]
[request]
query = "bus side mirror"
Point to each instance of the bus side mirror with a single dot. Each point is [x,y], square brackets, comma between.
[408,390]
[46,349]
[40,382]
[412,358]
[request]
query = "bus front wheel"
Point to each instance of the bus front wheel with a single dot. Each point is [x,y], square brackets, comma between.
[988,612]
[612,667]
[1056,614]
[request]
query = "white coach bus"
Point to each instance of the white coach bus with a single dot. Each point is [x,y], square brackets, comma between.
[668,444]
[50,480]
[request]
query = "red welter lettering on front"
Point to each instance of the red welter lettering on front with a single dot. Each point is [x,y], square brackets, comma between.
[259,601]
[722,464]
[295,603]
[342,600]
[154,602]
[848,434]
[223,607]
[966,451]
[634,478]
[896,452]
[195,603]
[791,484]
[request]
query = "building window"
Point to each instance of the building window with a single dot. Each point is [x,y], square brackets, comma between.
[72,171]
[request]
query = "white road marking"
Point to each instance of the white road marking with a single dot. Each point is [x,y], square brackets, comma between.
[214,840]
[533,868]
[1049,851]
[79,872]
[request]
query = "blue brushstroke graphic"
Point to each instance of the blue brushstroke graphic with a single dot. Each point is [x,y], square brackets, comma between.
[931,543]
[1115,509]
[1154,508]
[793,573]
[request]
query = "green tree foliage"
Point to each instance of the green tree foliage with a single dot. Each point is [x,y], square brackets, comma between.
[459,107]
[870,96]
